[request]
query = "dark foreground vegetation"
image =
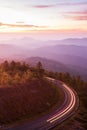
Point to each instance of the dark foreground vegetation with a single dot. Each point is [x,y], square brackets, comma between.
[24,92]
[79,120]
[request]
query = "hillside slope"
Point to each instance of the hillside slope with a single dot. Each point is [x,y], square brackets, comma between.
[48,64]
[53,65]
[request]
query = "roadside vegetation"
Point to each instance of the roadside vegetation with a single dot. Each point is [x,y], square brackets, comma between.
[79,120]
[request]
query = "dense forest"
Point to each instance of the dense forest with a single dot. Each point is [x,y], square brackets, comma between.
[18,73]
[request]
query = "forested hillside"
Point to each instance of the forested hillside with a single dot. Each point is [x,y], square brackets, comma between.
[24,92]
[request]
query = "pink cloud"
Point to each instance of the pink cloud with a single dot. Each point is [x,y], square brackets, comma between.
[60,4]
[78,15]
[78,12]
[43,6]
[20,25]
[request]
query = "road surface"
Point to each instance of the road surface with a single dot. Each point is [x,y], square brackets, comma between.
[49,121]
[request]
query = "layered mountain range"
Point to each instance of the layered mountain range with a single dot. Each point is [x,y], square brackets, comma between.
[69,55]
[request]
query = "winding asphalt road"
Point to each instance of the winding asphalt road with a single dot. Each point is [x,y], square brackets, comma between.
[49,121]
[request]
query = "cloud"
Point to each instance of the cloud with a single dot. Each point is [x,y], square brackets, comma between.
[78,15]
[43,6]
[78,18]
[78,12]
[72,4]
[20,25]
[20,22]
[60,4]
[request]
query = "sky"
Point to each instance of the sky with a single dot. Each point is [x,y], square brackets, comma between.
[44,17]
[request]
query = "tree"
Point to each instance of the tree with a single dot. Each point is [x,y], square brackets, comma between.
[17,78]
[26,77]
[5,66]
[12,65]
[39,70]
[5,79]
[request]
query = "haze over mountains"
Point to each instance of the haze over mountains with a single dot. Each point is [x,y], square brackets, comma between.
[34,43]
[64,55]
[56,66]
[48,64]
[8,51]
[67,54]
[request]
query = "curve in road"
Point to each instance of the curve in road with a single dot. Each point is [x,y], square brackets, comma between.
[51,120]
